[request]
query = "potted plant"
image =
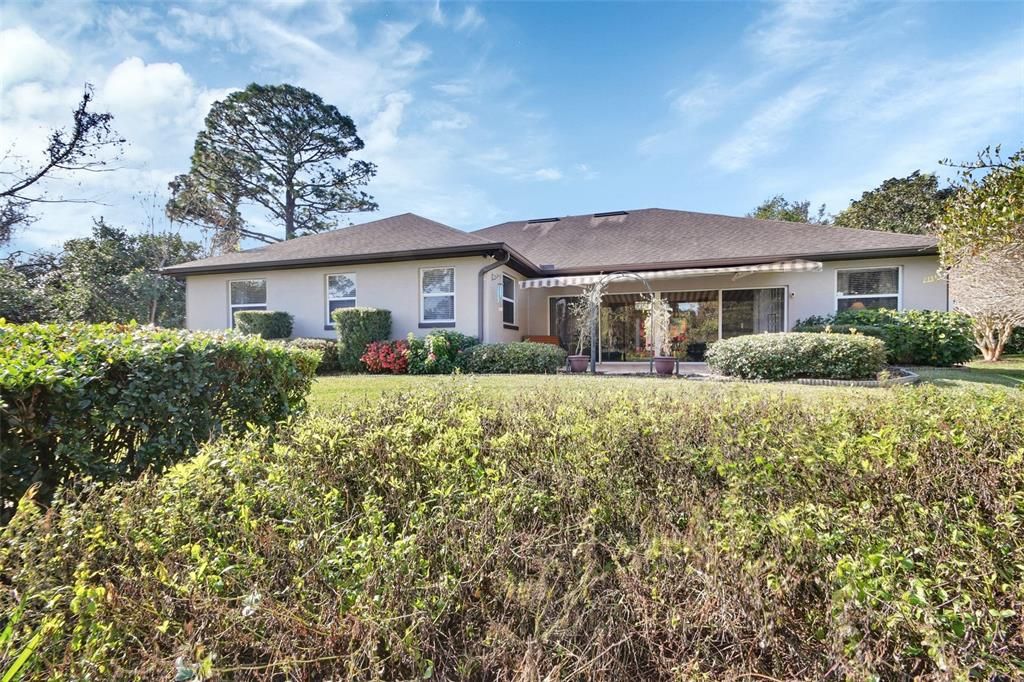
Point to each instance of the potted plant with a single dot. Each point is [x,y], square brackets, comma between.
[584,312]
[658,321]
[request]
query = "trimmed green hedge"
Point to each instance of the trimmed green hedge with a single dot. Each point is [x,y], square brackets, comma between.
[515,358]
[111,401]
[777,357]
[326,349]
[440,352]
[356,329]
[269,324]
[705,533]
[912,337]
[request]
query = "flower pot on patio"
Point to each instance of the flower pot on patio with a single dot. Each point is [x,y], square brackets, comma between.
[664,365]
[578,363]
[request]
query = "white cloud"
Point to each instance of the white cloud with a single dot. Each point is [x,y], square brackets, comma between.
[470,20]
[547,174]
[460,88]
[701,100]
[382,135]
[768,129]
[585,171]
[26,56]
[799,31]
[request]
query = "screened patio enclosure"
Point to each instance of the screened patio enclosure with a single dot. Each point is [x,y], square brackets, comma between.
[702,316]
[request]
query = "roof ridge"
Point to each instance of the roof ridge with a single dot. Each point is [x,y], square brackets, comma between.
[447,227]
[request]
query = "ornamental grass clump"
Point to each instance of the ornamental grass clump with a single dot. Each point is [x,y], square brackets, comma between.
[777,357]
[701,533]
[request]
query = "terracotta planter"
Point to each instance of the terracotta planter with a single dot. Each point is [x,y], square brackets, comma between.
[578,363]
[664,365]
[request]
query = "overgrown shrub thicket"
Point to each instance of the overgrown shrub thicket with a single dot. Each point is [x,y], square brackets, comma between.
[515,358]
[109,401]
[356,329]
[326,350]
[705,534]
[269,324]
[440,352]
[794,355]
[912,337]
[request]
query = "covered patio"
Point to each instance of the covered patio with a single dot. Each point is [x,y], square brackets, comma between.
[699,316]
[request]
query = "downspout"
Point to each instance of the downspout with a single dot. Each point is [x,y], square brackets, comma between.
[480,292]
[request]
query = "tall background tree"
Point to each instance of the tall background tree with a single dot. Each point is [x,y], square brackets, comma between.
[981,241]
[909,205]
[778,208]
[278,147]
[82,148]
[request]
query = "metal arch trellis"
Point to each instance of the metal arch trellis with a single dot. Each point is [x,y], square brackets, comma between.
[599,285]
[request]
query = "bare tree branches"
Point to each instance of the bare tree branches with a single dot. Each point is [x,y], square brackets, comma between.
[78,149]
[990,288]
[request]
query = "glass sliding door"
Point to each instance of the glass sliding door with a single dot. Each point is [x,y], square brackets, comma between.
[753,311]
[622,332]
[562,324]
[694,314]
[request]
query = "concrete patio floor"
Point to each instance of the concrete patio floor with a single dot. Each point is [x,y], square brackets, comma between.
[685,368]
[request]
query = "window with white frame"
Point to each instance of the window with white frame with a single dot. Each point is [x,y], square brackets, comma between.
[860,288]
[437,295]
[341,293]
[508,300]
[246,294]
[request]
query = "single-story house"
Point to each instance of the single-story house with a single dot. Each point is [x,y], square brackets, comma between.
[723,276]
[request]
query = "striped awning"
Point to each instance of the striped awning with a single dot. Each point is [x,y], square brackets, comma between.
[583,280]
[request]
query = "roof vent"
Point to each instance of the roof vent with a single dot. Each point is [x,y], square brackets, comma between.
[610,213]
[542,220]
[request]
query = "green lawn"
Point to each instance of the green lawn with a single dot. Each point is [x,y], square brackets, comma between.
[1007,372]
[330,390]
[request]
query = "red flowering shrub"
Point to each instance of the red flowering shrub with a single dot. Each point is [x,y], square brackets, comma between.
[386,357]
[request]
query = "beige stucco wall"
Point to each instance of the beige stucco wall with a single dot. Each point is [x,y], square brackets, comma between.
[302,292]
[495,330]
[395,287]
[810,293]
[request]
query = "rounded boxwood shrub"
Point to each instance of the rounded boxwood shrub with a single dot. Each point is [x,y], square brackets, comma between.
[356,329]
[327,349]
[793,355]
[110,401]
[269,324]
[522,357]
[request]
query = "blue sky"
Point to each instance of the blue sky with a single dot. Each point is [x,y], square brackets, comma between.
[480,113]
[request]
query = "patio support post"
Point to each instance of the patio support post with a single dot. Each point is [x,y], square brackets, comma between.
[593,342]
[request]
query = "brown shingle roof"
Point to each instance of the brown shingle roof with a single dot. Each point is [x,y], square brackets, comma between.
[649,238]
[391,238]
[653,237]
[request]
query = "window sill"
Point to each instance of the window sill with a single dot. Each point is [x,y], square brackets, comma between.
[437,325]
[513,327]
[328,327]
